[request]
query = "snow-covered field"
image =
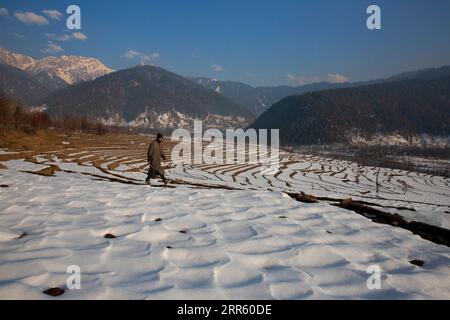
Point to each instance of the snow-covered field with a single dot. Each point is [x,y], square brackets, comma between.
[192,242]
[428,196]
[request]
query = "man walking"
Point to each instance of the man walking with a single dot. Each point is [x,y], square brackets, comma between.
[154,155]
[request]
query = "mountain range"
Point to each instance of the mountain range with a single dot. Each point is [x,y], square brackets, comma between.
[410,103]
[259,99]
[144,95]
[406,109]
[56,72]
[140,96]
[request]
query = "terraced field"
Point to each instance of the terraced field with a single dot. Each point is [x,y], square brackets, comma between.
[218,232]
[416,196]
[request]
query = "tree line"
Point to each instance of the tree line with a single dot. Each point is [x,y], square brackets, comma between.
[15,117]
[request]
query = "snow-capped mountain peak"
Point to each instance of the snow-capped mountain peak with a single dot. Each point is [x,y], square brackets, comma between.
[17,60]
[71,69]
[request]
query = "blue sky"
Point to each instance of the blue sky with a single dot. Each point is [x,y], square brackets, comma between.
[260,42]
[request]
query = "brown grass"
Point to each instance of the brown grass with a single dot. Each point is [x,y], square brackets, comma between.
[42,141]
[14,156]
[49,171]
[46,141]
[303,197]
[46,172]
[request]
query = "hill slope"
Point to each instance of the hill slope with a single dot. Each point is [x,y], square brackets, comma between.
[20,85]
[142,95]
[338,116]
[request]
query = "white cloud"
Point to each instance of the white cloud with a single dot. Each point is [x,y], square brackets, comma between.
[53,14]
[66,36]
[217,68]
[131,54]
[79,36]
[18,35]
[150,56]
[4,12]
[337,78]
[303,80]
[145,58]
[299,80]
[31,18]
[52,48]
